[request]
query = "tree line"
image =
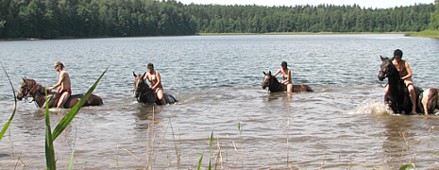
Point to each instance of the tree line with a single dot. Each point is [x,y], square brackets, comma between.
[118,18]
[434,23]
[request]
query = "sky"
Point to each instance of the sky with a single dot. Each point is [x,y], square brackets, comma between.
[362,3]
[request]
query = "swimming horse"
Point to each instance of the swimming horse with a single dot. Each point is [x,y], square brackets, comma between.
[30,87]
[397,97]
[274,85]
[144,94]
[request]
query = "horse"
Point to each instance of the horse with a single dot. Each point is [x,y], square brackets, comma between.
[274,85]
[38,92]
[397,97]
[144,94]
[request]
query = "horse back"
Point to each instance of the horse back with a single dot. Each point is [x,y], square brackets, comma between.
[92,100]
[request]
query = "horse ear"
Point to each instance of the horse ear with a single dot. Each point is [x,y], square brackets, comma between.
[382,58]
[391,59]
[134,74]
[24,79]
[264,73]
[269,72]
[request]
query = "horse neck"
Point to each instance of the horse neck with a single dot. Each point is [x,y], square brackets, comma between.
[275,85]
[396,84]
[39,95]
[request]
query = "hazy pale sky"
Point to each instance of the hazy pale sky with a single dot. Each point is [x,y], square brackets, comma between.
[362,3]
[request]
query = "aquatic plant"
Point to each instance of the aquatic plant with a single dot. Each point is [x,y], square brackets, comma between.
[6,126]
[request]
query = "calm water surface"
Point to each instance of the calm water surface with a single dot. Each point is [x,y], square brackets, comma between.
[217,79]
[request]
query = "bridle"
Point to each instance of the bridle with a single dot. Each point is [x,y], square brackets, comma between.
[25,89]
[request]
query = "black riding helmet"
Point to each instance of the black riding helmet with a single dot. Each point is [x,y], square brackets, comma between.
[284,63]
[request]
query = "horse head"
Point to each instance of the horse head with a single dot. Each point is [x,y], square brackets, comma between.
[27,87]
[140,85]
[386,68]
[268,80]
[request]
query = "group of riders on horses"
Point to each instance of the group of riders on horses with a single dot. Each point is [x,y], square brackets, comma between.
[64,91]
[63,86]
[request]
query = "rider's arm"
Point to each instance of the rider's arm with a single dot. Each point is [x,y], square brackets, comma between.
[159,79]
[409,71]
[277,72]
[61,78]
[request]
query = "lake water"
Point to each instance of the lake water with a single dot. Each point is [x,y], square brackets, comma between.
[342,125]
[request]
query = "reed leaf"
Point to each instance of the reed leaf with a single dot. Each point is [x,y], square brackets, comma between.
[72,157]
[6,126]
[50,152]
[199,162]
[239,127]
[210,165]
[211,139]
[408,166]
[65,121]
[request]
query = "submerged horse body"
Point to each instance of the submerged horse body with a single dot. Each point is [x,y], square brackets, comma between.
[144,94]
[274,85]
[397,97]
[30,87]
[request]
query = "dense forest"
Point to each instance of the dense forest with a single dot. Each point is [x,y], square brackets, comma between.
[434,23]
[119,18]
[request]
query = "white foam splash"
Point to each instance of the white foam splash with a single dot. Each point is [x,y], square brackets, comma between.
[371,107]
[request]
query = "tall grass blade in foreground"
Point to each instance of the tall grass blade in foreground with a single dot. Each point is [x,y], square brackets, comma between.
[199,162]
[65,121]
[50,152]
[6,126]
[408,166]
[72,157]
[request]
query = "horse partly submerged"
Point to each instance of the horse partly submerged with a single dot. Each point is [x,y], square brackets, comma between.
[30,87]
[144,94]
[397,97]
[274,85]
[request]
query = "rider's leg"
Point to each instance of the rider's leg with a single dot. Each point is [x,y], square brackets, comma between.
[62,99]
[412,94]
[160,96]
[289,87]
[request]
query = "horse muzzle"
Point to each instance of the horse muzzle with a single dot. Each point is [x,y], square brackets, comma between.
[381,76]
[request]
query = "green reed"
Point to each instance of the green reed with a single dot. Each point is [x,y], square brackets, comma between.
[65,121]
[6,126]
[408,166]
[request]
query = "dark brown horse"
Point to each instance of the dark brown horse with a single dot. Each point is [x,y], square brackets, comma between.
[144,94]
[397,97]
[274,85]
[30,87]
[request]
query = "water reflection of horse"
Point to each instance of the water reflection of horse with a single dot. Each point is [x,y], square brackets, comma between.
[397,97]
[38,92]
[274,85]
[144,94]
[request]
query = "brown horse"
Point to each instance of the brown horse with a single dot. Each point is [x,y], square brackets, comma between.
[38,92]
[144,94]
[274,85]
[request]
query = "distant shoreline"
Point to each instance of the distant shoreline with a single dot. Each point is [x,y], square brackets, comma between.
[425,34]
[422,34]
[302,33]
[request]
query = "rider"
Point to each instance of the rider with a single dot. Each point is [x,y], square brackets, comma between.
[63,85]
[156,82]
[286,74]
[404,70]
